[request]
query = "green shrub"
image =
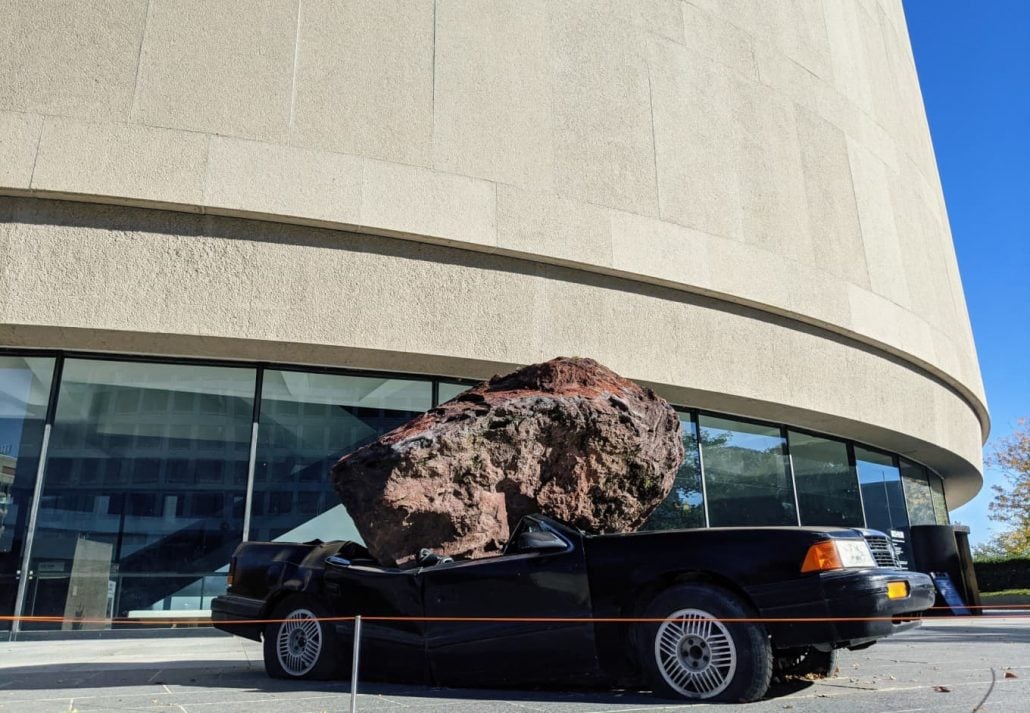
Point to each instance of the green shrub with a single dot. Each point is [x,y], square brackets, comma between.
[995,575]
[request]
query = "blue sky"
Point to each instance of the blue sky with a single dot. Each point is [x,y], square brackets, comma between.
[973,60]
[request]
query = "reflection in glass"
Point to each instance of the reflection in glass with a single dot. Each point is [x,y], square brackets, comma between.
[746,475]
[144,487]
[684,506]
[827,486]
[308,421]
[24,391]
[447,390]
[940,505]
[882,496]
[917,494]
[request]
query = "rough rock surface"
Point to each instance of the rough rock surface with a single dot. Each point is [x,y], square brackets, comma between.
[568,437]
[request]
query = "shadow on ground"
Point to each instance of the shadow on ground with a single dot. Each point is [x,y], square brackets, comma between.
[251,678]
[983,632]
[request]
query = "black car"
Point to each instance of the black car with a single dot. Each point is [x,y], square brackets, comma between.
[712,611]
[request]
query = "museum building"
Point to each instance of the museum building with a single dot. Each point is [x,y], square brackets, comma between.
[238,240]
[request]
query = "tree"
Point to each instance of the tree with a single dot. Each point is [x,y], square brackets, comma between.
[1011,505]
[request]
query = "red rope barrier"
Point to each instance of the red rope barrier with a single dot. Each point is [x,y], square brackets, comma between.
[473,619]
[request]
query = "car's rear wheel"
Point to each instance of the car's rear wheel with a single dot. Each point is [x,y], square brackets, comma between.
[298,643]
[697,651]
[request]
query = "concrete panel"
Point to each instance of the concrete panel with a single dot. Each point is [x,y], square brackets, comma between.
[754,275]
[498,126]
[697,147]
[923,260]
[728,157]
[851,73]
[664,250]
[406,199]
[223,68]
[797,29]
[879,232]
[121,160]
[772,179]
[719,40]
[70,57]
[603,148]
[836,234]
[888,323]
[19,137]
[661,18]
[279,180]
[544,224]
[364,79]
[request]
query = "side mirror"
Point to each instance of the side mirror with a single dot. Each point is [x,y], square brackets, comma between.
[541,542]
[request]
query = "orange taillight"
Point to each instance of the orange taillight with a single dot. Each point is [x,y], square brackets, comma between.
[232,568]
[822,556]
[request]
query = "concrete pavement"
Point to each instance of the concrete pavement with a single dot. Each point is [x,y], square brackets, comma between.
[970,658]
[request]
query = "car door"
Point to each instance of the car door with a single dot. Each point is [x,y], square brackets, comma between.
[393,642]
[507,592]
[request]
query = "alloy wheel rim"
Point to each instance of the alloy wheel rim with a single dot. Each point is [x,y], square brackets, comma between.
[695,654]
[299,642]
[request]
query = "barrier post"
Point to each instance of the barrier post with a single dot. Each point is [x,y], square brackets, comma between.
[354,665]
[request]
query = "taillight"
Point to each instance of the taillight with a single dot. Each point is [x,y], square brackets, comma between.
[232,571]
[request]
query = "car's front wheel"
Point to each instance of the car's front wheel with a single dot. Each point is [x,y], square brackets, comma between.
[697,651]
[298,642]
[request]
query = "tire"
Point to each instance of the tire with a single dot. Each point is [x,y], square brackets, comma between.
[298,644]
[808,662]
[693,654]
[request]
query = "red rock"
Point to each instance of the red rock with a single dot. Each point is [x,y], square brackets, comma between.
[568,437]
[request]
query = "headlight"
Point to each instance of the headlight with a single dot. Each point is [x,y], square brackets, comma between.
[855,553]
[837,554]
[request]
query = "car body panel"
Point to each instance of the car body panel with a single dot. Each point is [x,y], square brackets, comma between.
[579,579]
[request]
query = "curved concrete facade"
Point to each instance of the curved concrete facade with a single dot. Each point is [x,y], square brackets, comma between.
[736,202]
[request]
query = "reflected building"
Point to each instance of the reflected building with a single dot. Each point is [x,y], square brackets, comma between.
[235,245]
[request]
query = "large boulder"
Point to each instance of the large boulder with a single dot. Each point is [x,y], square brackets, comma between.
[568,437]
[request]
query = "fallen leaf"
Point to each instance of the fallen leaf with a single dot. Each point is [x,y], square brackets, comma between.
[942,689]
[1009,674]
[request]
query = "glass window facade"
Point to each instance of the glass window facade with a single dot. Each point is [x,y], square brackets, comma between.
[143,497]
[746,474]
[827,485]
[918,498]
[882,496]
[24,394]
[447,390]
[307,422]
[153,472]
[940,506]
[685,506]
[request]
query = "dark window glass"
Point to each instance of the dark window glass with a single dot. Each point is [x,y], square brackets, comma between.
[684,507]
[882,495]
[128,536]
[308,421]
[917,494]
[940,505]
[24,392]
[746,476]
[827,485]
